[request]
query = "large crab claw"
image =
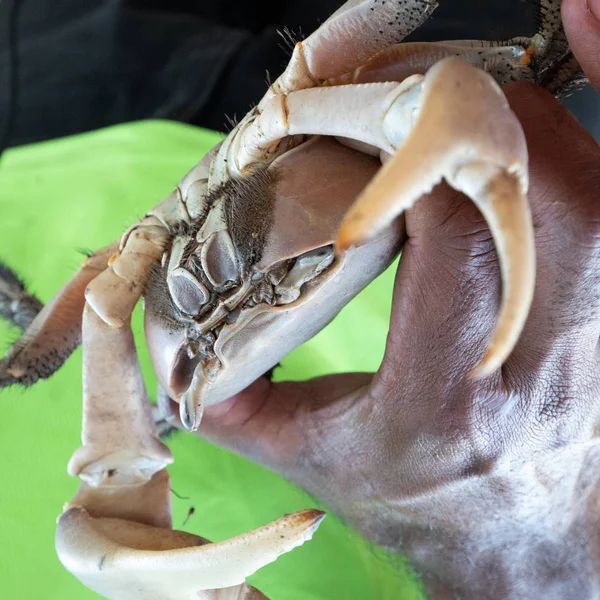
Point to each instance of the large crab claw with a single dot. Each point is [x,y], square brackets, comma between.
[462,131]
[452,124]
[115,535]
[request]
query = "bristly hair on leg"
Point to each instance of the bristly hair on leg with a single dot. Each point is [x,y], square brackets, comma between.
[19,308]
[230,123]
[17,305]
[553,65]
[290,39]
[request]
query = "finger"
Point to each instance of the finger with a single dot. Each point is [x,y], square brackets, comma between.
[282,425]
[581,20]
[564,179]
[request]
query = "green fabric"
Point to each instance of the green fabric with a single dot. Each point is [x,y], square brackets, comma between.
[80,193]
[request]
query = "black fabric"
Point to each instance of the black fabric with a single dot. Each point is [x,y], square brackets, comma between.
[86,64]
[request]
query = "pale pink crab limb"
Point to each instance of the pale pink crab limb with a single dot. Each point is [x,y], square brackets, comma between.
[114,293]
[396,63]
[318,111]
[351,35]
[465,133]
[56,330]
[119,442]
[120,544]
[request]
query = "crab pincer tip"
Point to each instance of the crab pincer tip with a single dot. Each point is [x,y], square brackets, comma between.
[490,363]
[349,234]
[310,520]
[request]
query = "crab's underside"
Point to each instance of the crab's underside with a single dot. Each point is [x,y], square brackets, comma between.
[257,249]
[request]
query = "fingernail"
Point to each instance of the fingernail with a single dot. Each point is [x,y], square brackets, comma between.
[593,7]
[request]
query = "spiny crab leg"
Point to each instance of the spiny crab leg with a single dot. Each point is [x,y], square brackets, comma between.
[350,36]
[116,535]
[452,124]
[55,331]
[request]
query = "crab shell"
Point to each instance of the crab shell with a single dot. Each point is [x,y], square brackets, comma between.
[329,176]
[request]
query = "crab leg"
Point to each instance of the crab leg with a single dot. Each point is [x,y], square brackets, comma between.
[452,124]
[115,535]
[55,331]
[116,291]
[504,63]
[119,446]
[351,35]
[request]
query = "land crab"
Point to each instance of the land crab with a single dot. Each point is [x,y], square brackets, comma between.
[260,245]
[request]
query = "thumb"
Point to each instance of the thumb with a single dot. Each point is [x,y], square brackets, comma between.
[581,19]
[281,425]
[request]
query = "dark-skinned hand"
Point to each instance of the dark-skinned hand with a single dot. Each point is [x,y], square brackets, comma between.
[491,487]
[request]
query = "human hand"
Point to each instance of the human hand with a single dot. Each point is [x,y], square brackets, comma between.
[489,486]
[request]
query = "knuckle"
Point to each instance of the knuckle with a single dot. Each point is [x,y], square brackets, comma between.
[530,101]
[466,233]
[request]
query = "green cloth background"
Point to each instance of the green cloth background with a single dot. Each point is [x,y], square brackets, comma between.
[80,193]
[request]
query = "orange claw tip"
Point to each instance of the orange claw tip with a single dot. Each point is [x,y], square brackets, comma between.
[310,519]
[304,523]
[490,364]
[350,234]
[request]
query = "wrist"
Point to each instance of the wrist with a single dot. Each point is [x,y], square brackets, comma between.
[523,530]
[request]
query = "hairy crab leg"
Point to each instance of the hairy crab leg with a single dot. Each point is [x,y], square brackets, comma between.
[55,331]
[17,305]
[116,535]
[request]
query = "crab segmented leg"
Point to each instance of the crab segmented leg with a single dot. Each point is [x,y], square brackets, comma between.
[452,124]
[116,291]
[351,35]
[116,535]
[504,63]
[119,444]
[55,331]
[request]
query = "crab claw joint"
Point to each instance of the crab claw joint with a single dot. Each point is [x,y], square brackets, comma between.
[115,292]
[140,557]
